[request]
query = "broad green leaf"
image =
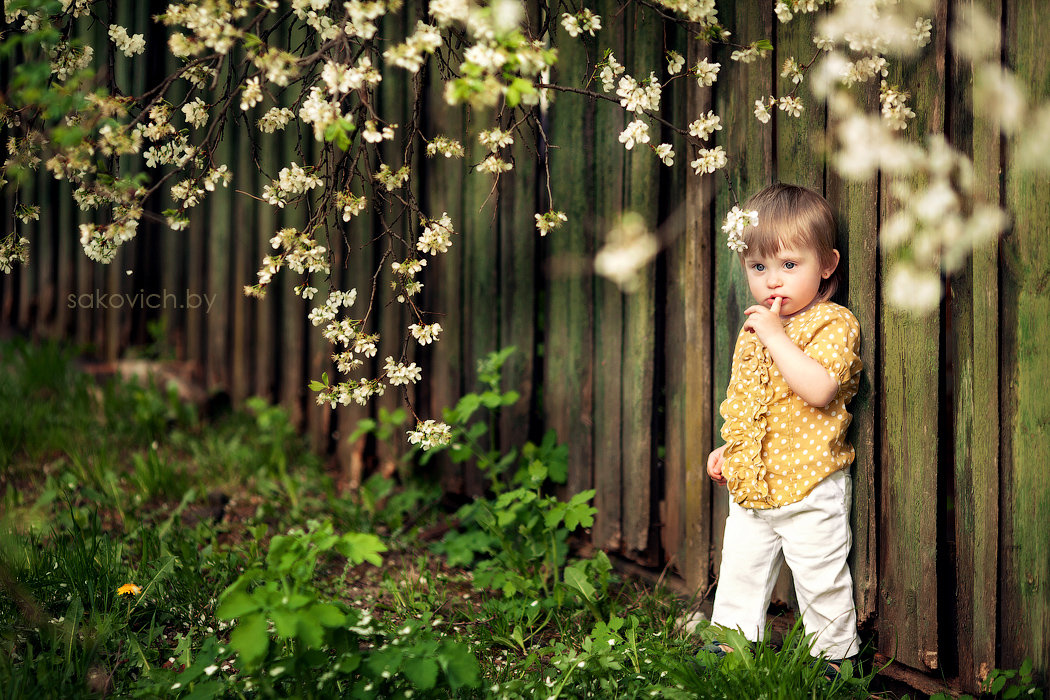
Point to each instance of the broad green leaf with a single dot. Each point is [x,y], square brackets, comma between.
[285,623]
[250,639]
[360,547]
[327,615]
[309,632]
[460,666]
[422,673]
[236,604]
[577,579]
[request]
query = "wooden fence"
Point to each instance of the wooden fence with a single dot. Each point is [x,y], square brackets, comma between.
[951,555]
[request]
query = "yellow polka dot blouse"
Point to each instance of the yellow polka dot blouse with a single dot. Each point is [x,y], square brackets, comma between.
[778,447]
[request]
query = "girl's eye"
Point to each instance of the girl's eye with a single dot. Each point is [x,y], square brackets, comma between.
[789,265]
[758,267]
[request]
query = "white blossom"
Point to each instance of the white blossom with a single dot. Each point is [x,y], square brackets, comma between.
[665,153]
[792,106]
[709,160]
[635,132]
[495,139]
[429,434]
[737,220]
[609,72]
[495,165]
[275,119]
[129,45]
[675,61]
[425,333]
[252,94]
[706,125]
[448,147]
[437,235]
[547,222]
[706,72]
[196,113]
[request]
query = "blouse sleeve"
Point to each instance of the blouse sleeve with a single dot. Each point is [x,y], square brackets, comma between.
[835,345]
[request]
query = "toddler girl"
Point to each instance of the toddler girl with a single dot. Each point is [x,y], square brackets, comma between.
[786,459]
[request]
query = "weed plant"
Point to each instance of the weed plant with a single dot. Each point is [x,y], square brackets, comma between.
[146,553]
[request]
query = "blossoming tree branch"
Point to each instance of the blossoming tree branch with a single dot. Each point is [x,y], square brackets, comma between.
[315,66]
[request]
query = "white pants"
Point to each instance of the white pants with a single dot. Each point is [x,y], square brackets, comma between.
[813,536]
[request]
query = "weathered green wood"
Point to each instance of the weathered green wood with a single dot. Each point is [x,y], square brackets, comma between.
[856,209]
[677,301]
[45,255]
[974,301]
[518,290]
[641,189]
[749,146]
[264,310]
[1024,606]
[799,145]
[606,376]
[910,400]
[480,274]
[219,273]
[8,282]
[66,248]
[443,279]
[291,324]
[689,353]
[568,347]
[243,231]
[392,317]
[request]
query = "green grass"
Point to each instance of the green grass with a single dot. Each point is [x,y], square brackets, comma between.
[257,580]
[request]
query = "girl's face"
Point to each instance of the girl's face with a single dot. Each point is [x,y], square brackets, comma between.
[792,273]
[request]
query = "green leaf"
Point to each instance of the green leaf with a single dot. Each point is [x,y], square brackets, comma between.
[422,673]
[576,578]
[327,615]
[466,407]
[309,633]
[236,604]
[250,639]
[285,622]
[360,547]
[460,666]
[764,45]
[315,385]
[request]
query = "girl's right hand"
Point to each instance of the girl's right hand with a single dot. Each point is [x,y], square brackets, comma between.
[715,460]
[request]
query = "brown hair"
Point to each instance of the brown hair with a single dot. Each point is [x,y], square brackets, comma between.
[794,216]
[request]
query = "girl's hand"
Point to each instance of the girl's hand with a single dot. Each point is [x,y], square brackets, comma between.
[764,322]
[715,460]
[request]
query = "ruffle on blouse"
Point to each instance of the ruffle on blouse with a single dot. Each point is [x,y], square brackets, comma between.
[746,426]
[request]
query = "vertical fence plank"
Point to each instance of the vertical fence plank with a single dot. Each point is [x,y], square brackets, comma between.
[856,208]
[1025,540]
[443,278]
[689,353]
[642,178]
[606,381]
[216,320]
[911,363]
[568,344]
[750,146]
[974,300]
[392,315]
[242,230]
[480,268]
[798,140]
[518,290]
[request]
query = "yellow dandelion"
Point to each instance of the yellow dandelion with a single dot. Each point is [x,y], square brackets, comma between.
[129,589]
